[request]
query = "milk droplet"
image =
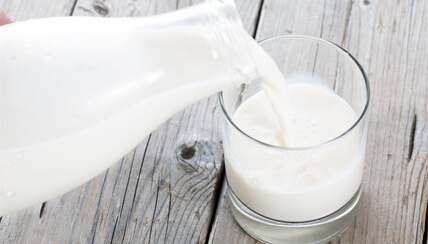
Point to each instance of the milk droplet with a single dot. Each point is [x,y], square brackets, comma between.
[47,54]
[95,69]
[27,49]
[11,58]
[77,38]
[10,193]
[9,164]
[18,156]
[214,54]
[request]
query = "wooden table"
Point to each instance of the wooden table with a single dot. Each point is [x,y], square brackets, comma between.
[171,188]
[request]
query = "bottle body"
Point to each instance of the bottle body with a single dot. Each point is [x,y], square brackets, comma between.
[76,94]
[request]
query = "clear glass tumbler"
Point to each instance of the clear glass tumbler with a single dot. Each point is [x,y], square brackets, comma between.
[322,211]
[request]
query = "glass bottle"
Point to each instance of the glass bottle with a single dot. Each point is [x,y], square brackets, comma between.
[77,93]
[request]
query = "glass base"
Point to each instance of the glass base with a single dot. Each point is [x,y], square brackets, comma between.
[272,231]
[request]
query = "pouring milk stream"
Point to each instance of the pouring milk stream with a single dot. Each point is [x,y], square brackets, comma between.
[78,93]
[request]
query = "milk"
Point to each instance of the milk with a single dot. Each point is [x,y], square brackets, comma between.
[76,94]
[294,185]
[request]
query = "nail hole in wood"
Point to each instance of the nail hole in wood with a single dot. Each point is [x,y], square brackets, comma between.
[412,138]
[42,210]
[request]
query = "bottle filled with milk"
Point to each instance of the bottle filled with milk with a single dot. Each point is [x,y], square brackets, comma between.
[77,93]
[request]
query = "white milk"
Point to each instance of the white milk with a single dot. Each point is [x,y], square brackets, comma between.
[74,100]
[299,185]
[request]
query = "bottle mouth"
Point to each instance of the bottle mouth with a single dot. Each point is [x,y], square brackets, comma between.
[230,38]
[224,12]
[222,2]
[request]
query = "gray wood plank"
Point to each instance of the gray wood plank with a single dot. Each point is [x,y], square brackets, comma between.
[165,191]
[387,38]
[27,9]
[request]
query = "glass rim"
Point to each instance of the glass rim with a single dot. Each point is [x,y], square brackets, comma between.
[351,128]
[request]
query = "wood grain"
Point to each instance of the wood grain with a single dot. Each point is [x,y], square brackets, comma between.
[27,9]
[168,189]
[387,38]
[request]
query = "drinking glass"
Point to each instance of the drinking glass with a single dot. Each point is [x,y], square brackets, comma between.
[320,212]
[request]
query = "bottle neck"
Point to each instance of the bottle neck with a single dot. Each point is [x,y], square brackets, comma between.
[221,23]
[232,41]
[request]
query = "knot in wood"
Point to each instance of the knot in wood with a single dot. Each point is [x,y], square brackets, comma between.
[187,153]
[199,156]
[101,8]
[187,156]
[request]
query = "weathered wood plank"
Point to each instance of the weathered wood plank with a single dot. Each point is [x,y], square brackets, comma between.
[163,192]
[387,38]
[27,9]
[398,175]
[187,158]
[123,205]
